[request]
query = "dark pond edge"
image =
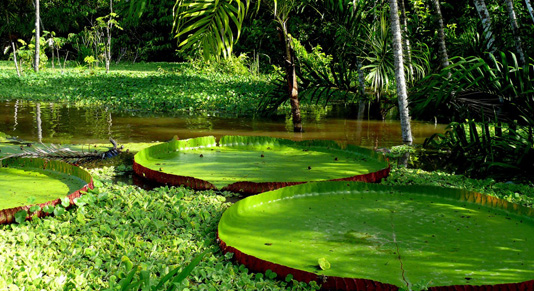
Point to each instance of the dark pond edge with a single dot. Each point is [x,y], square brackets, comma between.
[7,216]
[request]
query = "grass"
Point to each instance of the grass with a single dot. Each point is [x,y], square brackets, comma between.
[150,87]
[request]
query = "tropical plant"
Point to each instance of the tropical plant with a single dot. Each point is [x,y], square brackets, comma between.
[336,73]
[209,25]
[477,87]
[486,149]
[136,278]
[379,60]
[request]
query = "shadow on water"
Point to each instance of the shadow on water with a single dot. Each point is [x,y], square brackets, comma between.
[63,123]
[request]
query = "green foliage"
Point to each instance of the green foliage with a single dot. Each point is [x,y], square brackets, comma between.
[135,277]
[322,82]
[477,87]
[482,149]
[209,25]
[522,194]
[497,93]
[122,231]
[26,54]
[379,60]
[155,87]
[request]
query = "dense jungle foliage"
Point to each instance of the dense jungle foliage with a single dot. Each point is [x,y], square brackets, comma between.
[470,69]
[462,64]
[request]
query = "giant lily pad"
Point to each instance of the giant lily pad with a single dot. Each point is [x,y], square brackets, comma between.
[360,236]
[255,164]
[38,182]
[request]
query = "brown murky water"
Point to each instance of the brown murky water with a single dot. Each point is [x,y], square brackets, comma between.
[61,123]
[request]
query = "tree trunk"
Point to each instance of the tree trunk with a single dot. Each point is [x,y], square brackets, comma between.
[15,57]
[108,30]
[38,121]
[16,115]
[441,34]
[515,31]
[361,77]
[53,65]
[405,40]
[402,95]
[529,7]
[486,23]
[37,37]
[292,84]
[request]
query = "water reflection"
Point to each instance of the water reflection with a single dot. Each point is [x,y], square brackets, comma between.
[63,123]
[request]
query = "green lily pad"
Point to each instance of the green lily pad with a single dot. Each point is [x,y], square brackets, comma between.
[255,164]
[27,182]
[383,235]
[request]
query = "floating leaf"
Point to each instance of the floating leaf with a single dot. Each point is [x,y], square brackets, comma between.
[323,264]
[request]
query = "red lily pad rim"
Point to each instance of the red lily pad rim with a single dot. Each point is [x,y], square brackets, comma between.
[7,215]
[247,187]
[255,264]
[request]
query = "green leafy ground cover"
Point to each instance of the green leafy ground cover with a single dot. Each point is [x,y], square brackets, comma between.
[118,228]
[258,159]
[121,227]
[391,234]
[154,87]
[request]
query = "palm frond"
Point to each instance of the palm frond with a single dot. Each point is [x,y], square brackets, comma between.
[212,25]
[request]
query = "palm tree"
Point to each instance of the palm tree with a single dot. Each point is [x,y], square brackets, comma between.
[486,23]
[515,31]
[400,79]
[37,37]
[441,34]
[529,7]
[405,38]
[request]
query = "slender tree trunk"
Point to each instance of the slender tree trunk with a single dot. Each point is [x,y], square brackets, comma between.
[37,37]
[53,65]
[486,23]
[38,121]
[361,77]
[15,57]
[405,40]
[402,94]
[108,30]
[529,7]
[292,83]
[441,34]
[515,31]
[16,115]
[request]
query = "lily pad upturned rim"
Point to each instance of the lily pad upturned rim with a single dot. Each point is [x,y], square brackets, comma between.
[8,215]
[248,187]
[256,264]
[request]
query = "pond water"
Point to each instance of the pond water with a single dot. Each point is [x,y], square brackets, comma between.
[63,123]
